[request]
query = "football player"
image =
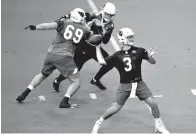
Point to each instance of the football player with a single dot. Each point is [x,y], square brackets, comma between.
[100,23]
[128,62]
[70,33]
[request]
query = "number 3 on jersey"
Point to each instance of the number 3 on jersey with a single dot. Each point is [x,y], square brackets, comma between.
[127,60]
[68,34]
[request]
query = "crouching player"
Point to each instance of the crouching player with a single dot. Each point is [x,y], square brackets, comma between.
[128,62]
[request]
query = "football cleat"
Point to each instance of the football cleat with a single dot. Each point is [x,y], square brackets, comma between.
[55,87]
[20,98]
[23,95]
[160,128]
[65,104]
[98,84]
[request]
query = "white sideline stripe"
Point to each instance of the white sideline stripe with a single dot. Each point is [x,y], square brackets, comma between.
[89,133]
[92,5]
[193,91]
[156,96]
[95,9]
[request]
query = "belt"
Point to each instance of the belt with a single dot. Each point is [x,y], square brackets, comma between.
[138,79]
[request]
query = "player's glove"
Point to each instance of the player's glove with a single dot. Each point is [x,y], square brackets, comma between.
[30,27]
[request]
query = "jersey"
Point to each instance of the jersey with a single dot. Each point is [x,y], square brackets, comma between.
[108,27]
[69,36]
[128,63]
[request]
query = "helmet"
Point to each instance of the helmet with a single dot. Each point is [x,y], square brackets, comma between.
[126,36]
[108,11]
[78,15]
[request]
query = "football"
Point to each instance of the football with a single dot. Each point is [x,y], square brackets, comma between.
[95,39]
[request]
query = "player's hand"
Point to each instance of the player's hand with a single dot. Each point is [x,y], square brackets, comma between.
[30,27]
[152,51]
[98,22]
[89,24]
[100,26]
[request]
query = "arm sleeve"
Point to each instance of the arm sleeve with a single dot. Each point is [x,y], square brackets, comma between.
[111,60]
[108,34]
[145,54]
[107,37]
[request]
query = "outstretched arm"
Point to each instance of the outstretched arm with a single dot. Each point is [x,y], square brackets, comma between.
[100,58]
[43,26]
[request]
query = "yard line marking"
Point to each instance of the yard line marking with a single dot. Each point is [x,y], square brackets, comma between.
[112,39]
[193,91]
[93,96]
[92,5]
[158,96]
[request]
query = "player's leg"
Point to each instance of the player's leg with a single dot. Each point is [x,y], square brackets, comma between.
[72,89]
[48,68]
[57,82]
[68,69]
[80,58]
[121,97]
[102,71]
[144,93]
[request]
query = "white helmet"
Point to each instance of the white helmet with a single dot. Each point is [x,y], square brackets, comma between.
[126,36]
[78,15]
[108,11]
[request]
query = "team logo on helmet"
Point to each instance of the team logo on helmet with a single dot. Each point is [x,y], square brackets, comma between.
[78,15]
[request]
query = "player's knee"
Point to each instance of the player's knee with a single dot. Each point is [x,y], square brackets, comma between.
[116,107]
[44,74]
[152,103]
[77,82]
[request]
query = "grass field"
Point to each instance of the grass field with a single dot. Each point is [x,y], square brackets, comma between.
[169,25]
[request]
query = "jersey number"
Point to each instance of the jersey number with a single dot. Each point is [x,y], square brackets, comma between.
[127,60]
[68,34]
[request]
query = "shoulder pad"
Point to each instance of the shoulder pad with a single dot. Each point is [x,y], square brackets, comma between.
[96,13]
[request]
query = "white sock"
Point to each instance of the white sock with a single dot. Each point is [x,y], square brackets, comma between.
[158,120]
[101,120]
[67,95]
[30,87]
[94,80]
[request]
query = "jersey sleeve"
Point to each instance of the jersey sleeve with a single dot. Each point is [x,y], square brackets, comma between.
[145,54]
[111,60]
[109,29]
[60,24]
[107,36]
[64,17]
